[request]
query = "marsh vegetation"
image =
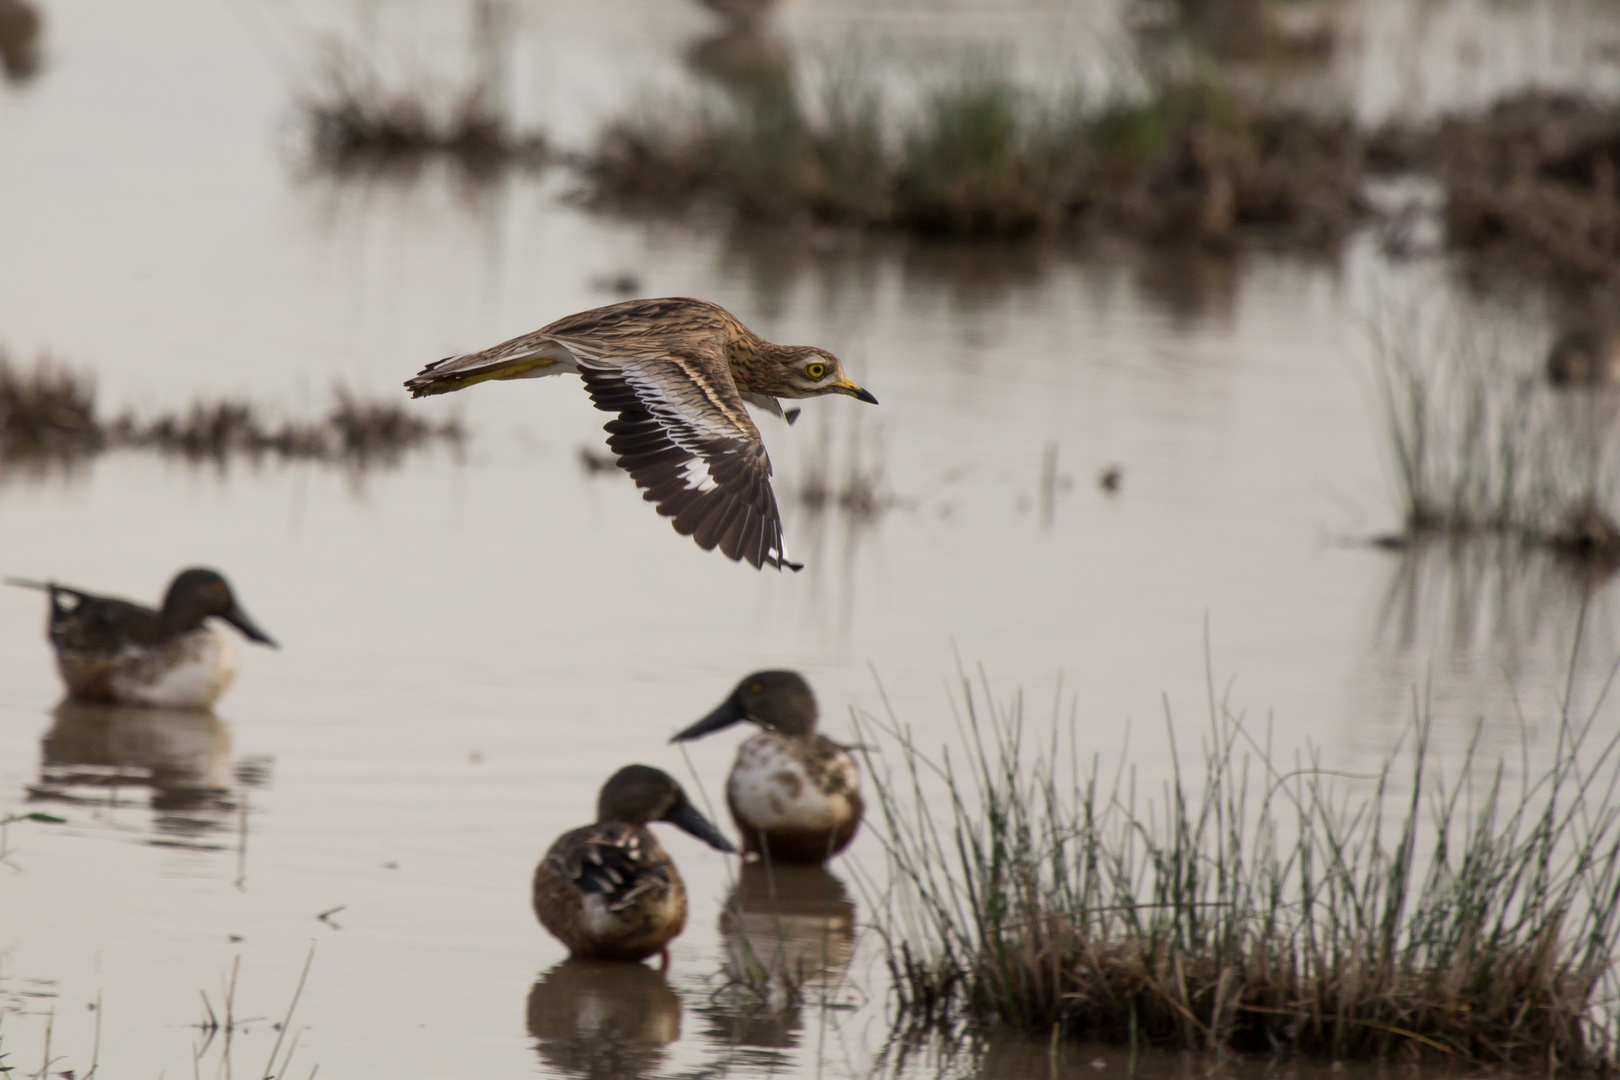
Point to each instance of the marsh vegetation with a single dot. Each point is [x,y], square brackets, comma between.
[49,418]
[983,157]
[1480,442]
[1257,904]
[360,122]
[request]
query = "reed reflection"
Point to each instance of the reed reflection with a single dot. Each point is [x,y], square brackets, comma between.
[787,930]
[96,755]
[603,1020]
[21,27]
[752,65]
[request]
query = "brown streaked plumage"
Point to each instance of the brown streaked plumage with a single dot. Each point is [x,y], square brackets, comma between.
[677,372]
[608,891]
[794,794]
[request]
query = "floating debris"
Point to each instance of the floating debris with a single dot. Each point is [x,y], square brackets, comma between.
[1585,356]
[623,283]
[595,462]
[1589,535]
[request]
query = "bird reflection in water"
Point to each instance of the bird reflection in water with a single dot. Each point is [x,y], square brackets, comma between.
[789,933]
[603,1020]
[95,755]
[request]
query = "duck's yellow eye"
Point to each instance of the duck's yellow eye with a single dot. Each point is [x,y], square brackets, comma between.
[815,371]
[756,688]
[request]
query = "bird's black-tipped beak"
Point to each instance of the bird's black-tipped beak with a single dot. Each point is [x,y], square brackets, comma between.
[727,714]
[688,820]
[845,386]
[239,619]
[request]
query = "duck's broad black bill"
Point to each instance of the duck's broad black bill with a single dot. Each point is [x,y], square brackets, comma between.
[239,619]
[727,714]
[686,818]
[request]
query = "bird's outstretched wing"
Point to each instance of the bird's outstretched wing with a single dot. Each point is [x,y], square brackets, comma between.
[683,434]
[552,349]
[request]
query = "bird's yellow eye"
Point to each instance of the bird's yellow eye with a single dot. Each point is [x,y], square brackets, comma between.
[815,371]
[756,688]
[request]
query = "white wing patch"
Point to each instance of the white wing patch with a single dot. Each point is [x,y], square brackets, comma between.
[697,475]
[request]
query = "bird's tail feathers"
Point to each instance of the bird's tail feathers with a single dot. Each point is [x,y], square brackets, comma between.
[56,592]
[518,359]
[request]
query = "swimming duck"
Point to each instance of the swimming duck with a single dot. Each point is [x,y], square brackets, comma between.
[795,795]
[608,891]
[121,653]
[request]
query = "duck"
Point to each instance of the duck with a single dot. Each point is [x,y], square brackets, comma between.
[609,891]
[795,795]
[117,652]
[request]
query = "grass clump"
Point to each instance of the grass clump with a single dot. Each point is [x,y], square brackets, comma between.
[47,412]
[1480,447]
[1533,180]
[358,124]
[1260,907]
[48,415]
[985,158]
[353,432]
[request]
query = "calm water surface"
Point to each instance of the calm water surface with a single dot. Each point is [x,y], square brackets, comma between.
[472,643]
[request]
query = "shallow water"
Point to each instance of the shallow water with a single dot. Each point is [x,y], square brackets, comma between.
[472,644]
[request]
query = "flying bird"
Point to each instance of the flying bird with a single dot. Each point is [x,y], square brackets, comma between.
[122,653]
[677,372]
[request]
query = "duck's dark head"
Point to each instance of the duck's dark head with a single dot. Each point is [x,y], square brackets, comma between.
[779,701]
[198,593]
[637,794]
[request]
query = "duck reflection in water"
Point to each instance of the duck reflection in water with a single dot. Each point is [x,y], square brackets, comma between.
[603,1020]
[787,930]
[92,753]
